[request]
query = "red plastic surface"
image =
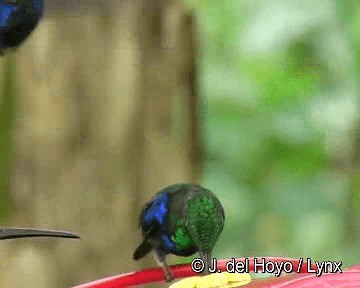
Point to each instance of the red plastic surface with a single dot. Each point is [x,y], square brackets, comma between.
[154,275]
[347,279]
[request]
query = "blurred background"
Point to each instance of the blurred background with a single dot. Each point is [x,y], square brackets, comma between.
[107,103]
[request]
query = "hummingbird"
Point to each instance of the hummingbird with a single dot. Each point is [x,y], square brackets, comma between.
[18,18]
[12,233]
[181,219]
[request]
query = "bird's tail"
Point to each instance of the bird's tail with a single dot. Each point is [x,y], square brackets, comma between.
[143,249]
[206,257]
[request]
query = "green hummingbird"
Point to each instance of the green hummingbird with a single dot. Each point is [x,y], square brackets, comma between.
[181,219]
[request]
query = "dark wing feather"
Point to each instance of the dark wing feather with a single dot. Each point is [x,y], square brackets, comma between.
[145,247]
[142,250]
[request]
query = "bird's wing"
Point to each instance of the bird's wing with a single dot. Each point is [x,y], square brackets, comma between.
[154,214]
[143,211]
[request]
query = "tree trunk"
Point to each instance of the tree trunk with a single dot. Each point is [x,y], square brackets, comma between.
[105,118]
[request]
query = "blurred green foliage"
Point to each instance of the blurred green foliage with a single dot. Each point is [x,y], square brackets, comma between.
[279,86]
[7,120]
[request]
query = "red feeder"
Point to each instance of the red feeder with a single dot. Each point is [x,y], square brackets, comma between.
[347,279]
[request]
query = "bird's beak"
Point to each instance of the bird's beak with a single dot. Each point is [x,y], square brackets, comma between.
[12,233]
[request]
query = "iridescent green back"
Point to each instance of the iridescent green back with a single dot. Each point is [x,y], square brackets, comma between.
[205,219]
[196,219]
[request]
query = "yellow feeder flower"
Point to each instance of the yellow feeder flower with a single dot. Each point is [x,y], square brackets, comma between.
[216,280]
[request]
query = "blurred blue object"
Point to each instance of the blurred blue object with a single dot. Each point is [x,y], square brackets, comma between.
[18,18]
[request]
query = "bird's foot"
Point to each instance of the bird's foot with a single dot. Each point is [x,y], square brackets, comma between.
[223,280]
[160,258]
[169,277]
